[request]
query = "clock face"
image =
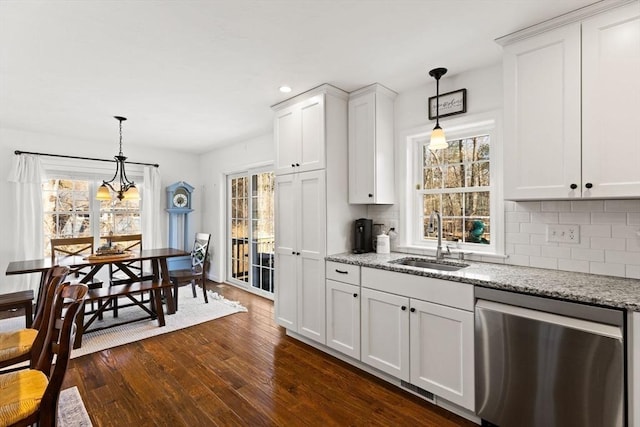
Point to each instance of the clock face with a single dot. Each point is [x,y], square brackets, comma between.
[180,200]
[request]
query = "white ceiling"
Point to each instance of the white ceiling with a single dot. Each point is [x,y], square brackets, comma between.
[193,75]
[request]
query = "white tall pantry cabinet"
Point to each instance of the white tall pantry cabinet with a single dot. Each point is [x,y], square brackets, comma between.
[572,96]
[312,213]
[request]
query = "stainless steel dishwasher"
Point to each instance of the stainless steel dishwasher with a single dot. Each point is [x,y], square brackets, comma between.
[546,362]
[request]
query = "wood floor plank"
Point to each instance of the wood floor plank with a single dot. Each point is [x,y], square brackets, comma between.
[239,370]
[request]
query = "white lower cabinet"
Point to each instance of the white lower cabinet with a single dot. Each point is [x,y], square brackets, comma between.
[385,332]
[441,351]
[429,344]
[343,318]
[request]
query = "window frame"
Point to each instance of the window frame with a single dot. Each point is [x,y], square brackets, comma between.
[412,205]
[56,168]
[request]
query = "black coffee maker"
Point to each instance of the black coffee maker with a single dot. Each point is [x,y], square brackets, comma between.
[362,238]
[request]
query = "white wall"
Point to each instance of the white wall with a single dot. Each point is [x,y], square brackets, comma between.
[174,166]
[214,167]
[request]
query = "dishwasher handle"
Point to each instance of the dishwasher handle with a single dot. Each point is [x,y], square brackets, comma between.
[555,319]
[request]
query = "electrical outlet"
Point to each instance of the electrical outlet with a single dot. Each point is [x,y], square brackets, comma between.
[563,233]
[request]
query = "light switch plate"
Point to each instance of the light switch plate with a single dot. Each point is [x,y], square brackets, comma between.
[563,233]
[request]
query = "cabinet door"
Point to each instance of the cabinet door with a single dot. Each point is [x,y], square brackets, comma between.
[442,351]
[611,103]
[286,213]
[385,332]
[542,116]
[311,244]
[362,113]
[312,139]
[343,318]
[287,134]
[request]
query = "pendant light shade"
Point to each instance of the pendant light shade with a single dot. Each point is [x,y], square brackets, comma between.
[119,184]
[438,139]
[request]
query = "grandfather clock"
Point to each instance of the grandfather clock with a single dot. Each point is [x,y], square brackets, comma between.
[179,198]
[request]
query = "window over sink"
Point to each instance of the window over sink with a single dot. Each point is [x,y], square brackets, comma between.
[460,182]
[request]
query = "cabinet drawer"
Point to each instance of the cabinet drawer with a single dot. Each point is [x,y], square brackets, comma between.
[345,273]
[445,292]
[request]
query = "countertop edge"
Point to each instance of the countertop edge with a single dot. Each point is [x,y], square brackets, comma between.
[528,279]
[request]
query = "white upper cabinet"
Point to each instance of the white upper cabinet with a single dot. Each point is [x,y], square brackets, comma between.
[371,160]
[542,115]
[572,98]
[611,103]
[300,130]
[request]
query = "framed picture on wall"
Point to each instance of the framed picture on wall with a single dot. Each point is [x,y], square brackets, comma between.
[451,103]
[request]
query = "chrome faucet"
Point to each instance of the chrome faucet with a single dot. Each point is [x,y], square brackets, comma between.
[438,217]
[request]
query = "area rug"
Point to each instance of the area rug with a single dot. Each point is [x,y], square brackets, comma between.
[71,410]
[191,311]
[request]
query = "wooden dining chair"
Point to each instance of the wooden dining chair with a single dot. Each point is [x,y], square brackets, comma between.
[197,273]
[127,242]
[19,345]
[30,396]
[65,249]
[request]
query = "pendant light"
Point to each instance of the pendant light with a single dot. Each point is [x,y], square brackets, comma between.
[438,140]
[126,189]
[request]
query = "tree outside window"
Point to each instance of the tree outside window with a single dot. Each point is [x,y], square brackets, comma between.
[70,208]
[456,183]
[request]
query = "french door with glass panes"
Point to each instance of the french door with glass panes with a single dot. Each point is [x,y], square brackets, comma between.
[251,231]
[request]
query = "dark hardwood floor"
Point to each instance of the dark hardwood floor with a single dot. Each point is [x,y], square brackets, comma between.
[239,370]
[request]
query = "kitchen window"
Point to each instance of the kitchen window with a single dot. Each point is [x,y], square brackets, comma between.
[460,183]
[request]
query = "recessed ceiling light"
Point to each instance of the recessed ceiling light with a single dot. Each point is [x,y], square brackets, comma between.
[285,89]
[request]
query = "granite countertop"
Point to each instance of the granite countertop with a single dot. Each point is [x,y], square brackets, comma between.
[581,287]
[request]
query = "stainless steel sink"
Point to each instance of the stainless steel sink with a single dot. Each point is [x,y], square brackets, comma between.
[433,265]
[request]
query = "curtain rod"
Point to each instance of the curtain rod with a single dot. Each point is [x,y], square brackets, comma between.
[18,152]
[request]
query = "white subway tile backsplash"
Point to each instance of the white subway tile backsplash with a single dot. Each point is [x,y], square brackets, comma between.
[555,252]
[599,230]
[522,260]
[541,239]
[556,206]
[633,245]
[542,262]
[607,269]
[624,231]
[608,243]
[517,217]
[521,238]
[633,218]
[622,206]
[527,250]
[533,228]
[633,271]
[608,218]
[529,206]
[574,217]
[596,255]
[545,217]
[573,265]
[587,205]
[622,257]
[509,206]
[512,227]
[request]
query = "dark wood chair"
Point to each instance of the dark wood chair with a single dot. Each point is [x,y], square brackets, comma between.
[63,249]
[30,396]
[18,346]
[197,273]
[127,242]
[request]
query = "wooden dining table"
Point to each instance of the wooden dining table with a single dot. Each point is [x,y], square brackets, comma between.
[157,257]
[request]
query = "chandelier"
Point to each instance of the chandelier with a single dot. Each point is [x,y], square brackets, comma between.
[119,184]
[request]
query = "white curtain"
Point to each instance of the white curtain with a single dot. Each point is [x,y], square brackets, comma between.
[26,178]
[152,237]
